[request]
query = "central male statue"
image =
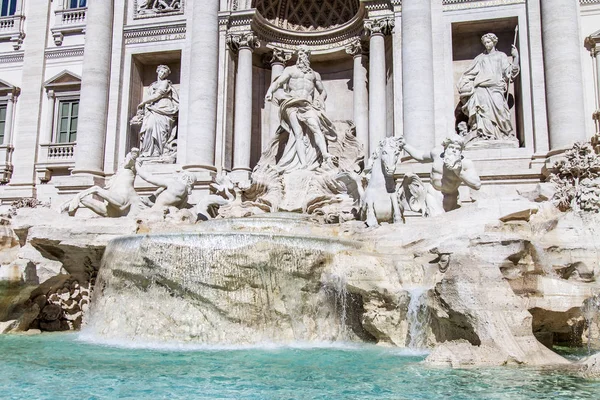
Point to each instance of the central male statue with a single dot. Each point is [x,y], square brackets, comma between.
[300,95]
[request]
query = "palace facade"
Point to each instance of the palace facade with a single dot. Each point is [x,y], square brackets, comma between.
[74,72]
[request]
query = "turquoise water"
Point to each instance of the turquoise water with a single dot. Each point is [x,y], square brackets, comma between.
[60,366]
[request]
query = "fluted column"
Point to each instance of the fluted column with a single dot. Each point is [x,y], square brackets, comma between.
[361,94]
[200,132]
[417,74]
[8,124]
[91,132]
[278,60]
[244,44]
[564,79]
[377,29]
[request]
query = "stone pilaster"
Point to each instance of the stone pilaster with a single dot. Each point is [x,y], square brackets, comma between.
[91,132]
[417,74]
[278,60]
[10,114]
[199,152]
[377,29]
[243,44]
[592,43]
[564,78]
[361,92]
[25,141]
[47,138]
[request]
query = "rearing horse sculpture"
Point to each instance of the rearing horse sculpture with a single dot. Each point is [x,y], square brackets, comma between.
[380,200]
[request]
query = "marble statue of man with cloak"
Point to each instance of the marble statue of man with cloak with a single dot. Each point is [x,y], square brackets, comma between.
[304,128]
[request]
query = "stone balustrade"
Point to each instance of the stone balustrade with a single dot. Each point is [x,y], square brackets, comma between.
[11,28]
[70,21]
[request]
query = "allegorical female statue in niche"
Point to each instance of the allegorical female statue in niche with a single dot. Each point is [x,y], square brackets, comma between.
[157,115]
[482,89]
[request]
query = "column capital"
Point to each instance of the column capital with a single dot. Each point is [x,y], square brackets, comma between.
[379,26]
[279,56]
[242,40]
[357,48]
[591,44]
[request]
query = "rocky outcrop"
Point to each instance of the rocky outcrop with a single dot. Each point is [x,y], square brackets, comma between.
[590,367]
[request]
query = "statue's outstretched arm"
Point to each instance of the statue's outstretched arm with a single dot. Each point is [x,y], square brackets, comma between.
[419,155]
[469,175]
[148,177]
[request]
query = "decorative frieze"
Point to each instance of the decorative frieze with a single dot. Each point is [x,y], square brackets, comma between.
[450,5]
[65,52]
[6,58]
[157,8]
[155,33]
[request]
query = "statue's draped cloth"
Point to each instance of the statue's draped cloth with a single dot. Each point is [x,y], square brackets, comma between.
[306,114]
[482,88]
[158,127]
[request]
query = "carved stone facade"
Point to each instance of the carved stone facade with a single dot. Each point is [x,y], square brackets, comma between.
[73,77]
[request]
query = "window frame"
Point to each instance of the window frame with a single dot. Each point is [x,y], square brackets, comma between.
[3,106]
[60,98]
[11,5]
[67,4]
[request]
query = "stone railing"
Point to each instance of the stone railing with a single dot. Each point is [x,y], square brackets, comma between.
[54,156]
[11,28]
[62,151]
[68,22]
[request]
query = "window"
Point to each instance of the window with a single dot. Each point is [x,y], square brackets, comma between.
[68,111]
[2,122]
[76,3]
[9,7]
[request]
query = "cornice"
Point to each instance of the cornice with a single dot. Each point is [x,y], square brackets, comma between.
[64,52]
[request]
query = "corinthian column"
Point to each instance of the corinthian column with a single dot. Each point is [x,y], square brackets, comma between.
[562,66]
[200,132]
[278,61]
[361,93]
[417,74]
[244,44]
[91,132]
[377,29]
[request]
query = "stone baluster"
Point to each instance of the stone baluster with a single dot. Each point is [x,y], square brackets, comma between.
[91,131]
[417,74]
[200,133]
[244,44]
[49,117]
[377,29]
[361,93]
[564,78]
[278,60]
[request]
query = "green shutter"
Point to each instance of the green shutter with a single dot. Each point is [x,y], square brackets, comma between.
[67,121]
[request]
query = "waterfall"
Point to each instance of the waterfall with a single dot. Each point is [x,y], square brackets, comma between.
[220,288]
[590,311]
[417,317]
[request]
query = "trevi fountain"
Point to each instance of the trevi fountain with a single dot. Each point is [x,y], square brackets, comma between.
[308,200]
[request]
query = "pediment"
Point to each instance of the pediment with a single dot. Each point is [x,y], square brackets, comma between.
[65,79]
[6,87]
